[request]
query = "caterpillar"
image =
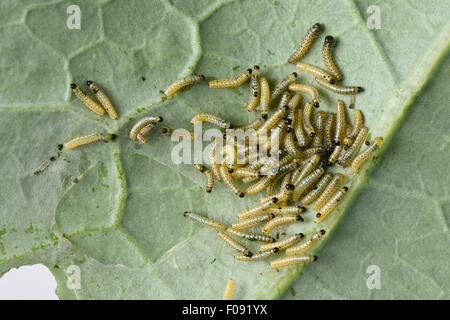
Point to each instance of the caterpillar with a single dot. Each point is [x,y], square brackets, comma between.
[231,184]
[358,122]
[307,166]
[209,177]
[320,128]
[366,154]
[287,261]
[340,122]
[337,88]
[205,221]
[307,183]
[282,244]
[86,100]
[282,86]
[231,82]
[146,129]
[83,140]
[309,89]
[234,244]
[254,90]
[328,133]
[330,205]
[265,97]
[183,82]
[315,71]
[300,134]
[142,123]
[103,98]
[258,256]
[253,221]
[307,244]
[260,207]
[211,118]
[278,220]
[309,129]
[330,189]
[286,210]
[317,190]
[251,236]
[305,43]
[347,157]
[228,293]
[327,56]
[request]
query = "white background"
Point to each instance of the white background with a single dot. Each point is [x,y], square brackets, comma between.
[28,282]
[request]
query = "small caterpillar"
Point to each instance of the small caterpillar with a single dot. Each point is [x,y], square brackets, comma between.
[213,160]
[321,117]
[340,122]
[234,244]
[103,98]
[330,189]
[252,125]
[307,244]
[86,100]
[254,90]
[231,184]
[183,82]
[205,221]
[358,122]
[146,129]
[231,82]
[307,166]
[329,131]
[282,86]
[317,190]
[366,154]
[253,221]
[330,205]
[272,121]
[245,172]
[309,129]
[209,177]
[257,256]
[307,183]
[334,155]
[287,261]
[282,244]
[262,184]
[315,71]
[211,118]
[305,43]
[265,97]
[285,192]
[337,88]
[287,210]
[300,134]
[347,157]
[278,220]
[93,137]
[251,236]
[142,123]
[309,89]
[228,293]
[328,60]
[289,142]
[260,207]
[46,163]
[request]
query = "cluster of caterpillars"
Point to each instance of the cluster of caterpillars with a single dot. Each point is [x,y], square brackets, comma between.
[305,144]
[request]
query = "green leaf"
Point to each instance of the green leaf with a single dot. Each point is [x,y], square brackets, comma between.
[122,223]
